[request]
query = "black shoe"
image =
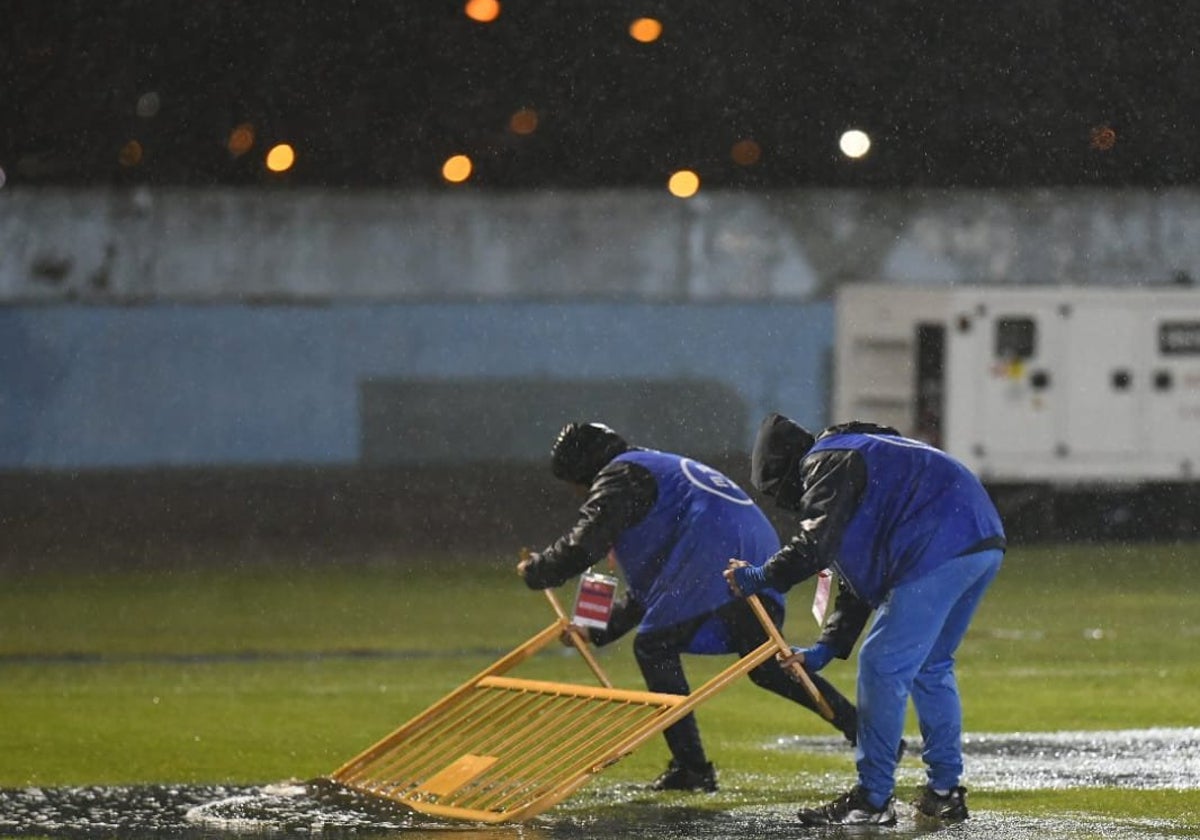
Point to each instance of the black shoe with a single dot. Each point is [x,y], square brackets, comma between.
[678,777]
[850,809]
[949,808]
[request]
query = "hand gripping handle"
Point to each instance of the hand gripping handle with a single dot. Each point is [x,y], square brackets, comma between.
[788,660]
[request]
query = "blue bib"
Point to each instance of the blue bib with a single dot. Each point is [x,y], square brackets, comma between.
[674,558]
[920,509]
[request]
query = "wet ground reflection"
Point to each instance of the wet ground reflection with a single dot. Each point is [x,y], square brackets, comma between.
[1144,759]
[303,811]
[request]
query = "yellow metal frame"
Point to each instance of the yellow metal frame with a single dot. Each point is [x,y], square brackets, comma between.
[502,749]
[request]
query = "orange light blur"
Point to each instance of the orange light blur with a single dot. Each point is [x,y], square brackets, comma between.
[645,30]
[483,11]
[524,121]
[241,140]
[457,169]
[281,157]
[745,152]
[1103,138]
[131,154]
[684,184]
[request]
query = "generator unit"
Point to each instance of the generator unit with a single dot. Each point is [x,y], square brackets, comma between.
[1055,385]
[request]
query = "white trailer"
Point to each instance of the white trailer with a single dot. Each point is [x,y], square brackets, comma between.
[1054,385]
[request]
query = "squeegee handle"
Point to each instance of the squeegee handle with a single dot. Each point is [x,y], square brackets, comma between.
[578,640]
[787,658]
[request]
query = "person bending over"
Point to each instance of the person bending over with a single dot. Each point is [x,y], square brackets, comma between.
[671,523]
[911,535]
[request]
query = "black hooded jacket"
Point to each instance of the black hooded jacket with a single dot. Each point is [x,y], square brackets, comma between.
[827,492]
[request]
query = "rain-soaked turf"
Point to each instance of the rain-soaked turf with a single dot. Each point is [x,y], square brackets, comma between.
[1146,760]
[138,703]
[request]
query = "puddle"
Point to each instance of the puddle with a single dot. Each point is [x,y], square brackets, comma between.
[1144,759]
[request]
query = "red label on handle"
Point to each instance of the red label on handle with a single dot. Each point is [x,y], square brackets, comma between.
[594,603]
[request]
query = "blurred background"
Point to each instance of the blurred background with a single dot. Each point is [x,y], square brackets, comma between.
[334,274]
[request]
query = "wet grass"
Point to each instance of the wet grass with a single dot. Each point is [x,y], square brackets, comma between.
[254,672]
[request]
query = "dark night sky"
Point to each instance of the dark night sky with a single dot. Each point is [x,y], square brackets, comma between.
[380,92]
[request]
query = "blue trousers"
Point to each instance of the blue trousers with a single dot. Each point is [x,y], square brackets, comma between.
[909,652]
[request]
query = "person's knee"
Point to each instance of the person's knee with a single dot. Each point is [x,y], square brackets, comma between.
[936,679]
[880,678]
[660,666]
[936,669]
[873,665]
[765,676]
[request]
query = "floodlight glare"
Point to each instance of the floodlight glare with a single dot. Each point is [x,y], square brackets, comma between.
[745,152]
[456,169]
[130,154]
[482,11]
[524,121]
[148,104]
[645,30]
[281,157]
[241,139]
[684,183]
[854,143]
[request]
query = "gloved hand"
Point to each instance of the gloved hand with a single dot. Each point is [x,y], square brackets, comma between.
[527,568]
[815,657]
[745,580]
[568,641]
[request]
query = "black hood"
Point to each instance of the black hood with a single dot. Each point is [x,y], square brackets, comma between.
[774,464]
[858,427]
[583,449]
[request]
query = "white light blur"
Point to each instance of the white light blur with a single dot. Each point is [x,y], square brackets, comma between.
[148,104]
[854,143]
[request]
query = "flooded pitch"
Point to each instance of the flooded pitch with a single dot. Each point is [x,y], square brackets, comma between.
[1142,759]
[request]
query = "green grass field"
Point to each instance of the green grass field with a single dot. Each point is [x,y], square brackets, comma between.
[190,676]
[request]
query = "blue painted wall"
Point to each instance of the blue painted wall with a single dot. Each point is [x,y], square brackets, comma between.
[215,385]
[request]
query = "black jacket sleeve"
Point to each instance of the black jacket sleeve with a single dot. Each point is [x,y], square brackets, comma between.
[846,622]
[834,481]
[620,497]
[626,615]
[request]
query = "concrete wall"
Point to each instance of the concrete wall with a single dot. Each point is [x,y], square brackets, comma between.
[262,245]
[89,387]
[197,328]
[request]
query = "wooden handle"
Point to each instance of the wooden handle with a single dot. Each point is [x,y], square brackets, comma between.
[785,653]
[578,640]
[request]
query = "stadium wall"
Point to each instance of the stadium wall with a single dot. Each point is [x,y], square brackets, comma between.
[103,387]
[205,327]
[256,246]
[322,366]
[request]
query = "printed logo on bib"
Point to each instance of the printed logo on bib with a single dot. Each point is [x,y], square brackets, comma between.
[901,441]
[711,481]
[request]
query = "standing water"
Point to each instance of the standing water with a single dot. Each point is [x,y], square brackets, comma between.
[1141,759]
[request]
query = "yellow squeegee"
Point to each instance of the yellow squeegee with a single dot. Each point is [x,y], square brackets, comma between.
[502,749]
